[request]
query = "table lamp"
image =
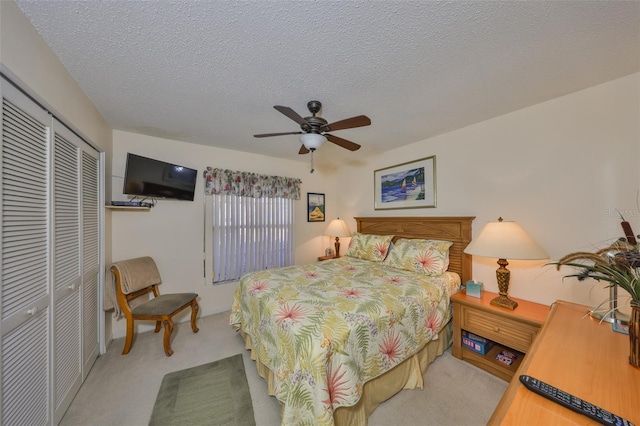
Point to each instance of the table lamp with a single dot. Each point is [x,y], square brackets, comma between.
[337,228]
[504,240]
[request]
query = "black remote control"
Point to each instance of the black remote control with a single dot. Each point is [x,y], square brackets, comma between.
[572,402]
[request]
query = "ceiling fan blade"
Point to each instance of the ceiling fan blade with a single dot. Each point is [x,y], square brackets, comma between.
[291,114]
[303,150]
[266,135]
[351,146]
[349,123]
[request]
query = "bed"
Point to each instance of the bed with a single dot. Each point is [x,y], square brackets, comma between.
[334,339]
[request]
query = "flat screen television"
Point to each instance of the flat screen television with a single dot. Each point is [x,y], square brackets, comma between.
[146,177]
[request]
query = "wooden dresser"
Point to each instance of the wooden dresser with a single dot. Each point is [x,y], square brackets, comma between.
[581,356]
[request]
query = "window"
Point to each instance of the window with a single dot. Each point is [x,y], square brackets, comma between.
[249,233]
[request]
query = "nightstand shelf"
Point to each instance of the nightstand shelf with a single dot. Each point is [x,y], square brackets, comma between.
[489,363]
[513,331]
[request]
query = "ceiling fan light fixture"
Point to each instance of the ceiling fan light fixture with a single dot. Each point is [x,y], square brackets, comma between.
[312,141]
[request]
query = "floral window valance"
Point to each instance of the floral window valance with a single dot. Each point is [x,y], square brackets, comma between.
[246,184]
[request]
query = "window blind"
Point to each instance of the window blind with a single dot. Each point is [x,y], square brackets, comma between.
[250,234]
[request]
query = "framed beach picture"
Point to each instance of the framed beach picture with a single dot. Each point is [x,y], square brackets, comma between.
[406,186]
[315,207]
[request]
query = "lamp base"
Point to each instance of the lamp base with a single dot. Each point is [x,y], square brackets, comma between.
[504,302]
[502,276]
[611,313]
[610,317]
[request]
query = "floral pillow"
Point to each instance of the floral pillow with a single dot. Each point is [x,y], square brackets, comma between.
[369,247]
[429,257]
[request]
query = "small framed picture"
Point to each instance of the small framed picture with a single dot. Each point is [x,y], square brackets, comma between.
[315,207]
[406,186]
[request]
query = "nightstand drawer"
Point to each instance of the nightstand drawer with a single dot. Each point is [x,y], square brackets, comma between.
[514,334]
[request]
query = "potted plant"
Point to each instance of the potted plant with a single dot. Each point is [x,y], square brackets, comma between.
[617,265]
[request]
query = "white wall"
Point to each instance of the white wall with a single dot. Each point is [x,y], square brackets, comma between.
[172,232]
[559,168]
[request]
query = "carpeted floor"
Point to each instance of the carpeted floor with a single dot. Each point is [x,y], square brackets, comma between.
[122,389]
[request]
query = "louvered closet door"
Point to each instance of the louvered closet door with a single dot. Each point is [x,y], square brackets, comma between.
[67,246]
[90,257]
[25,299]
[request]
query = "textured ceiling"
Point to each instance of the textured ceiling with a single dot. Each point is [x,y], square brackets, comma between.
[209,72]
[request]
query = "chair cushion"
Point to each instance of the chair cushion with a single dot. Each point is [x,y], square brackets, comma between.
[164,304]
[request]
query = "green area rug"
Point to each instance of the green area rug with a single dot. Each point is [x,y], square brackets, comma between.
[216,393]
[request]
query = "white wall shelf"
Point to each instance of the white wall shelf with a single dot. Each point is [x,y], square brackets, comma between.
[129,208]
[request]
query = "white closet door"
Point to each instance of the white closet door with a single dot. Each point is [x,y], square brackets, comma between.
[67,246]
[90,258]
[25,269]
[49,270]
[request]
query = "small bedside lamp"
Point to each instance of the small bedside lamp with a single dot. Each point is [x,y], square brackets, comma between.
[502,240]
[337,228]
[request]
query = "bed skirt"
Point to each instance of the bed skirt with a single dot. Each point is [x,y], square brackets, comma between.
[406,375]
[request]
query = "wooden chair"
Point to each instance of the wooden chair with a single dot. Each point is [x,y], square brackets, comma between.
[139,277]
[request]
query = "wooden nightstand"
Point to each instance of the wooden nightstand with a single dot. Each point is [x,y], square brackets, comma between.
[321,258]
[513,331]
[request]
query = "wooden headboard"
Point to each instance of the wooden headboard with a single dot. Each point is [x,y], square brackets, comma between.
[456,229]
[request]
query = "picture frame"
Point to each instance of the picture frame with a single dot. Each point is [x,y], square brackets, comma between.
[406,186]
[315,207]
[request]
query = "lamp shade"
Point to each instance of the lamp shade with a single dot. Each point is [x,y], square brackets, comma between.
[337,228]
[312,141]
[505,240]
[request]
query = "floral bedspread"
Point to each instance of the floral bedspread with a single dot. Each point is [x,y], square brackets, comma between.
[324,329]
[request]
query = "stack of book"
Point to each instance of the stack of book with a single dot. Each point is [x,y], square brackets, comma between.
[476,343]
[506,357]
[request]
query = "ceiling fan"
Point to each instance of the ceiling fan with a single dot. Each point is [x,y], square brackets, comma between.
[314,129]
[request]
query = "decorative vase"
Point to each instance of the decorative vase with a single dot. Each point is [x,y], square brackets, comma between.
[634,335]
